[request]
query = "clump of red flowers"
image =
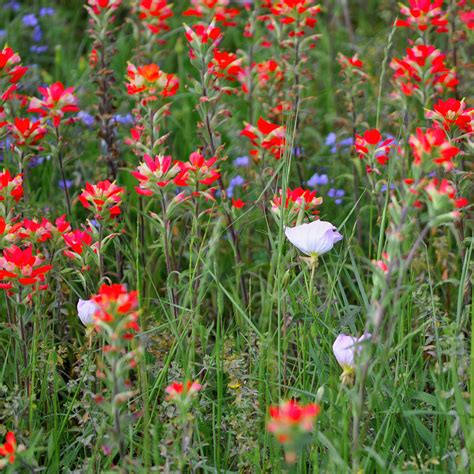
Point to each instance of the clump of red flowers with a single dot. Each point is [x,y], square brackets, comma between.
[371,147]
[23,267]
[150,81]
[56,101]
[442,197]
[422,69]
[197,171]
[155,14]
[289,422]
[11,71]
[104,198]
[117,311]
[25,132]
[11,187]
[432,146]
[75,241]
[182,393]
[218,9]
[422,14]
[98,6]
[451,114]
[8,450]
[298,201]
[266,136]
[154,174]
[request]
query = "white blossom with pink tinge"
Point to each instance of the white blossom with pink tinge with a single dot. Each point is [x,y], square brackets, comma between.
[86,310]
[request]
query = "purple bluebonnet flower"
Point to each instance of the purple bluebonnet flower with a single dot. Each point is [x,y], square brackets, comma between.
[3,34]
[346,142]
[126,119]
[384,188]
[331,142]
[317,180]
[242,161]
[95,223]
[336,194]
[39,49]
[68,183]
[12,5]
[86,118]
[234,182]
[30,20]
[46,11]
[37,35]
[37,160]
[298,151]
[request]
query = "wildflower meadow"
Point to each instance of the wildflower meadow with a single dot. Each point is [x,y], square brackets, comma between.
[236,236]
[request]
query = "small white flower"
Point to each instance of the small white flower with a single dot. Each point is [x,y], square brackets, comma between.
[345,349]
[315,238]
[86,310]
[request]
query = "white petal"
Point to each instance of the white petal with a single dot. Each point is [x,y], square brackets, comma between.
[86,310]
[344,350]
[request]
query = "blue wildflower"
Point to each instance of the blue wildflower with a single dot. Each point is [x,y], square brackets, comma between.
[242,161]
[30,20]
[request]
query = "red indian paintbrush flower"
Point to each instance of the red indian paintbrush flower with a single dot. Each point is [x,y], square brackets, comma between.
[116,310]
[22,266]
[432,146]
[452,113]
[8,450]
[203,34]
[197,170]
[104,198]
[99,6]
[266,136]
[155,14]
[421,14]
[75,241]
[422,67]
[289,421]
[225,65]
[371,147]
[32,230]
[11,72]
[297,200]
[218,9]
[238,203]
[11,187]
[25,132]
[442,195]
[182,393]
[155,173]
[56,102]
[150,81]
[351,66]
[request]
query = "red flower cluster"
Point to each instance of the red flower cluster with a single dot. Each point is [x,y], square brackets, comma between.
[75,241]
[371,147]
[422,67]
[450,114]
[11,187]
[104,197]
[297,200]
[300,14]
[154,174]
[155,14]
[99,6]
[8,450]
[432,146]
[23,267]
[182,393]
[421,14]
[225,65]
[197,171]
[442,194]
[150,82]
[289,421]
[266,136]
[25,132]
[56,102]
[117,310]
[218,9]
[11,71]
[351,66]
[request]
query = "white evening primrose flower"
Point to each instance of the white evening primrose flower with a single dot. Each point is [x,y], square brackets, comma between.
[86,310]
[313,239]
[345,349]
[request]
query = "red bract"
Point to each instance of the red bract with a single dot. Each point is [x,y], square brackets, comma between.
[452,113]
[421,14]
[218,9]
[75,242]
[104,198]
[432,146]
[297,200]
[155,14]
[32,230]
[197,170]
[423,67]
[238,203]
[10,72]
[225,65]
[26,132]
[98,6]
[182,393]
[22,266]
[442,194]
[11,187]
[289,421]
[266,136]
[300,14]
[56,102]
[154,174]
[268,73]
[150,81]
[371,147]
[8,450]
[351,66]
[117,310]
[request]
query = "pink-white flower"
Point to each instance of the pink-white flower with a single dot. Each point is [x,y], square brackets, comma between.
[346,348]
[314,239]
[86,310]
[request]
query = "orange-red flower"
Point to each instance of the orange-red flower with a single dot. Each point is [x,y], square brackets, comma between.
[11,187]
[57,100]
[155,14]
[26,132]
[8,450]
[266,136]
[104,197]
[421,14]
[297,200]
[155,173]
[197,170]
[182,393]
[11,72]
[150,81]
[99,6]
[75,241]
[452,113]
[218,9]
